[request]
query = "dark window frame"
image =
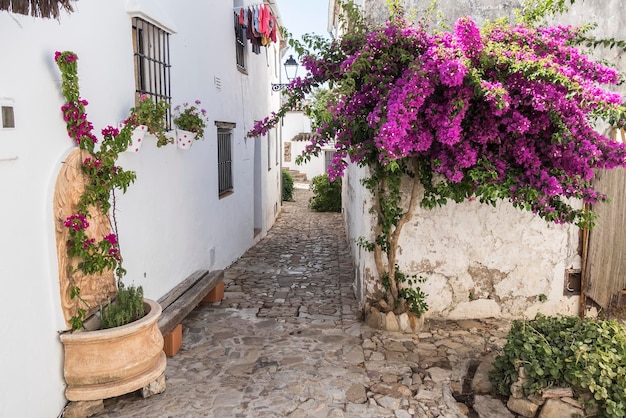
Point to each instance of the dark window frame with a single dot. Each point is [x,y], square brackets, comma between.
[269,150]
[224,161]
[278,146]
[240,45]
[151,55]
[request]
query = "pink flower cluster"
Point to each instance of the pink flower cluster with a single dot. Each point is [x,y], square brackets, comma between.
[92,163]
[66,57]
[504,112]
[78,127]
[77,222]
[112,243]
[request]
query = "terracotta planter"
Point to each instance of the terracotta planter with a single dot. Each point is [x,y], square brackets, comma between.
[184,139]
[112,362]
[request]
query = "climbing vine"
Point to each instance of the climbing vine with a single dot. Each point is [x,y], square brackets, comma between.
[102,177]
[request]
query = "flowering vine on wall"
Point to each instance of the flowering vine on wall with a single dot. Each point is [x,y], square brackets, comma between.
[102,176]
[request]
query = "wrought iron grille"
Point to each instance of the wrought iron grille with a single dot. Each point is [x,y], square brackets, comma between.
[224,160]
[151,48]
[240,44]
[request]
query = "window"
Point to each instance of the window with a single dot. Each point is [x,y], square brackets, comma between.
[269,150]
[328,158]
[224,160]
[151,48]
[8,118]
[240,44]
[277,148]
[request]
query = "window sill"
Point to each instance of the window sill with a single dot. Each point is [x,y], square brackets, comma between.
[225,194]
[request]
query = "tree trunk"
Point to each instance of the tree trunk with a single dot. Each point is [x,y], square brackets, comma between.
[393,240]
[379,192]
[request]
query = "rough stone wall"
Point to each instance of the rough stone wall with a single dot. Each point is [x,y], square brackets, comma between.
[479,261]
[482,261]
[480,10]
[611,21]
[608,15]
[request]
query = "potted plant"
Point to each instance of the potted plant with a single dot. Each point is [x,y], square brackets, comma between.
[100,363]
[190,121]
[149,115]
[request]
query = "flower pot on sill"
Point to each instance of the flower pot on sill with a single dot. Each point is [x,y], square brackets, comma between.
[111,362]
[184,139]
[137,137]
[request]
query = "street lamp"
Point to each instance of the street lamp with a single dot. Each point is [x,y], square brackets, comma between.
[291,69]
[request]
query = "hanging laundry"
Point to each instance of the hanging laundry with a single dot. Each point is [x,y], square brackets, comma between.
[273,29]
[256,21]
[260,23]
[242,17]
[250,33]
[264,21]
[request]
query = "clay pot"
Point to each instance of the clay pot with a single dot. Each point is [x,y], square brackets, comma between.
[112,362]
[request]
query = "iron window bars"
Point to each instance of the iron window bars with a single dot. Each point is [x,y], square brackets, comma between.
[151,48]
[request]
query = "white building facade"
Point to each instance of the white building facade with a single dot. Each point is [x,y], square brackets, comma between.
[178,217]
[297,132]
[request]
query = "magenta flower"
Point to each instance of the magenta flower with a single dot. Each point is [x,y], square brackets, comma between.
[507,112]
[111,238]
[77,222]
[110,131]
[468,37]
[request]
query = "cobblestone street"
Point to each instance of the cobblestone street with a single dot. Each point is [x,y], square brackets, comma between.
[288,341]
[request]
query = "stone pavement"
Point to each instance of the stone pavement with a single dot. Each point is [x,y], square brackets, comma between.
[288,341]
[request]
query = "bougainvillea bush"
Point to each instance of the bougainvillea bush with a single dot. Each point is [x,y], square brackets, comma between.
[499,112]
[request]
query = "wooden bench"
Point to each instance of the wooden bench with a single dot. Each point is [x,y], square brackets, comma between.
[202,286]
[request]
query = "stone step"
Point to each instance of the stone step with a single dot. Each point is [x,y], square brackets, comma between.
[297,175]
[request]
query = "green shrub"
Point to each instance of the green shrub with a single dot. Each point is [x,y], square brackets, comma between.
[413,295]
[326,194]
[587,355]
[127,307]
[287,183]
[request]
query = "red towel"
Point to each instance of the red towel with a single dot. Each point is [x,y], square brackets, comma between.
[242,17]
[264,20]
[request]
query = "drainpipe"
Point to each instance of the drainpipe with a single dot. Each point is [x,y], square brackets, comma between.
[583,266]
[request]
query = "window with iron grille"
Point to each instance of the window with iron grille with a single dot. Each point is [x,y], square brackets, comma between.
[224,160]
[240,44]
[151,48]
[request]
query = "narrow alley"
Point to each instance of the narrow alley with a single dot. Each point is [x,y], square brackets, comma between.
[287,341]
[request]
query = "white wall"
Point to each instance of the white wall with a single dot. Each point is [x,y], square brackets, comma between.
[294,123]
[312,168]
[171,221]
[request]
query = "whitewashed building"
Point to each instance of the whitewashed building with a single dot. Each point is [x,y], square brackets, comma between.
[297,134]
[181,215]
